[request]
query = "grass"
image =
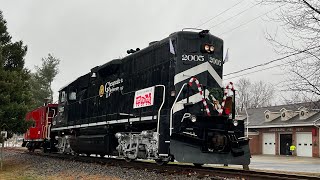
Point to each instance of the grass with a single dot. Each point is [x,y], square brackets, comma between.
[13,170]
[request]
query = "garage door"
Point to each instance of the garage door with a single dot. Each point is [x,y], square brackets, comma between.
[304,144]
[269,142]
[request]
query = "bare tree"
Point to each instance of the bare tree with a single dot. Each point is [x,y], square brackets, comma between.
[243,96]
[262,94]
[253,95]
[300,20]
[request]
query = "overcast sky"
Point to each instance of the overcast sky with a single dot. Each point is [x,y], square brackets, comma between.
[84,34]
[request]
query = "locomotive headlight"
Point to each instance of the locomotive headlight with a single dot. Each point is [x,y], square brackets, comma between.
[193,118]
[211,48]
[207,47]
[235,122]
[173,93]
[118,135]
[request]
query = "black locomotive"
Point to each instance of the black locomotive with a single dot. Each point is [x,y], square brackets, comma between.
[165,102]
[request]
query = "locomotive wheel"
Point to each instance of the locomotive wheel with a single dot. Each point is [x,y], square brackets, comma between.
[198,165]
[161,162]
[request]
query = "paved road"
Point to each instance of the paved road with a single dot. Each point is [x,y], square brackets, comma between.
[285,163]
[290,164]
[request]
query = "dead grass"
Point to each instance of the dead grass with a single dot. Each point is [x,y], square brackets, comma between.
[14,170]
[69,176]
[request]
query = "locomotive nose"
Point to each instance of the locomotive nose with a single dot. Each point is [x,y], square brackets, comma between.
[208,80]
[208,73]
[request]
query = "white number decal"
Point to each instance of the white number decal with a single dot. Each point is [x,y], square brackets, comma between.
[215,61]
[186,57]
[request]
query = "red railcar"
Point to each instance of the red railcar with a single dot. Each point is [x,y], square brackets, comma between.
[39,133]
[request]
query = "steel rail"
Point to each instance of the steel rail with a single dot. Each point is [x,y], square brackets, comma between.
[184,169]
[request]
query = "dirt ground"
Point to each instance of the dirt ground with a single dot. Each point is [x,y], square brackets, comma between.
[14,170]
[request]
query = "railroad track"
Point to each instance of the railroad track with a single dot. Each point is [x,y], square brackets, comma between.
[181,169]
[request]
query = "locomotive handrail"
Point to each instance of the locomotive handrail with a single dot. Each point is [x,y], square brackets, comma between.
[194,29]
[54,113]
[49,130]
[163,99]
[42,135]
[174,103]
[49,124]
[159,112]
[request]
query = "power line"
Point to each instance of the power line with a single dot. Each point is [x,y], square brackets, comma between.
[235,15]
[219,14]
[272,61]
[251,20]
[259,70]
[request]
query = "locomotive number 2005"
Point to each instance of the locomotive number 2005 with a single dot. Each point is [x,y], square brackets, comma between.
[186,57]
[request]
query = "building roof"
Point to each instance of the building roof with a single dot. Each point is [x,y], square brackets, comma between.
[257,116]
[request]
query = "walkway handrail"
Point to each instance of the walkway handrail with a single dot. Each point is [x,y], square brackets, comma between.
[174,103]
[159,113]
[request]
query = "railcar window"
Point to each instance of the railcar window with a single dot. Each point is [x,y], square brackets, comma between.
[72,96]
[33,123]
[52,113]
[62,96]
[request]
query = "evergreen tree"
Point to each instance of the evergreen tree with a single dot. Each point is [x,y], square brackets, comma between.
[14,83]
[41,80]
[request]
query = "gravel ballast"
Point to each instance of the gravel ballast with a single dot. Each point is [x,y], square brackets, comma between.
[50,168]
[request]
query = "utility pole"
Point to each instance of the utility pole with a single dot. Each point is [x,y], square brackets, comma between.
[1,156]
[3,136]
[2,146]
[1,163]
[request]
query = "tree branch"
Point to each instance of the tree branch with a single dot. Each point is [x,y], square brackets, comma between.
[309,5]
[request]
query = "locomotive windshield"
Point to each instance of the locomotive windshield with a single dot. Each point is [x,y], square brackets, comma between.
[62,96]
